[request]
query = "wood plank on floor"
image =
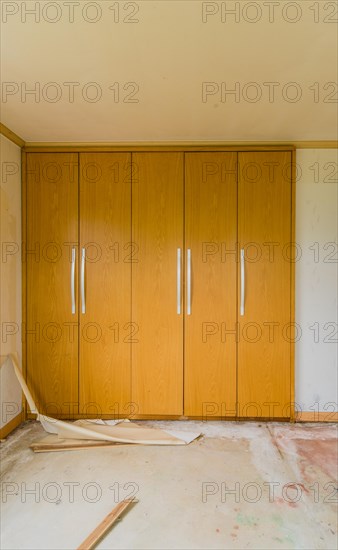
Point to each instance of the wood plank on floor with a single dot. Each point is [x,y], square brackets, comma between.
[96,535]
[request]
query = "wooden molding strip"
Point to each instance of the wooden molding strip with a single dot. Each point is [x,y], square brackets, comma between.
[92,540]
[14,423]
[11,135]
[333,144]
[40,147]
[24,271]
[155,147]
[36,146]
[315,416]
[293,286]
[52,443]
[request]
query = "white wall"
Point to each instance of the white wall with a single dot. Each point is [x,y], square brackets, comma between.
[10,274]
[316,279]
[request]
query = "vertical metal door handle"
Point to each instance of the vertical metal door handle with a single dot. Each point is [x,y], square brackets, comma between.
[178,281]
[242,281]
[83,294]
[188,281]
[72,280]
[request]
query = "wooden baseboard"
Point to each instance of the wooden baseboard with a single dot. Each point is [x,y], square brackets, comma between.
[137,417]
[14,423]
[304,416]
[31,416]
[315,416]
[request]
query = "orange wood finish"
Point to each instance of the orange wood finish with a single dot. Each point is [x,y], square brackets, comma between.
[211,234]
[52,230]
[131,212]
[264,227]
[157,229]
[105,327]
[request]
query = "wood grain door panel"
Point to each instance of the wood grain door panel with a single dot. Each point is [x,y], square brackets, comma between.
[157,355]
[52,329]
[265,234]
[105,326]
[211,235]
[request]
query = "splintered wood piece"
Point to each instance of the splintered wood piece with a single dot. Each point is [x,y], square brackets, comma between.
[53,443]
[96,535]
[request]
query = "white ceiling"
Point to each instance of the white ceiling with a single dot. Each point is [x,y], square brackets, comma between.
[169,53]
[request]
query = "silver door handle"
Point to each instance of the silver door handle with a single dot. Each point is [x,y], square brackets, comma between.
[188,281]
[83,294]
[242,281]
[72,280]
[178,281]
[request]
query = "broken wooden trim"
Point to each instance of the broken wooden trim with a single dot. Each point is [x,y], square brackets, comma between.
[54,443]
[96,535]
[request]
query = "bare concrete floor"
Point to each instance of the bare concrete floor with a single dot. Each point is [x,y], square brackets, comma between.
[242,485]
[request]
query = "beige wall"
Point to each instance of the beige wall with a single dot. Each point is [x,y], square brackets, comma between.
[10,271]
[162,70]
[316,279]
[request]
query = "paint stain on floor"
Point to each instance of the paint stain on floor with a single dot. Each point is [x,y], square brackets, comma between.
[321,454]
[247,520]
[234,488]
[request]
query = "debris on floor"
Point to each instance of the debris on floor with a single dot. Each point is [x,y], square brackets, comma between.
[92,540]
[243,485]
[113,431]
[83,434]
[55,443]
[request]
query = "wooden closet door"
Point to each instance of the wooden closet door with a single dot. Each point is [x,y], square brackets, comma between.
[105,324]
[265,332]
[210,329]
[157,350]
[52,328]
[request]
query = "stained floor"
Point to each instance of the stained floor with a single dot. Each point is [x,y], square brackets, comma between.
[241,485]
